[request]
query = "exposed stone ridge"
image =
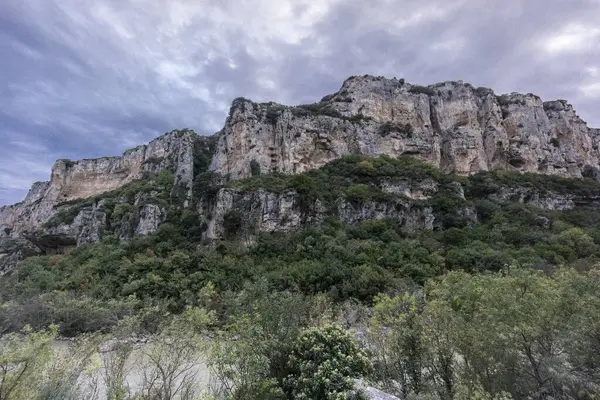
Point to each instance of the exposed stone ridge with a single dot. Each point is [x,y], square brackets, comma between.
[452,125]
[73,180]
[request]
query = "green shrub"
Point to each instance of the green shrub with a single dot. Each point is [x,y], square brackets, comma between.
[255,168]
[358,193]
[421,90]
[390,127]
[273,113]
[232,223]
[204,148]
[324,363]
[121,210]
[322,108]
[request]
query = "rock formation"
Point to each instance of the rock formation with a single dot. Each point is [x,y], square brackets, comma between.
[75,180]
[262,211]
[452,125]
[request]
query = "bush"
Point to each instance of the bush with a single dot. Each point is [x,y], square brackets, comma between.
[422,90]
[23,358]
[358,193]
[272,114]
[121,210]
[254,168]
[324,363]
[232,223]
[324,108]
[390,127]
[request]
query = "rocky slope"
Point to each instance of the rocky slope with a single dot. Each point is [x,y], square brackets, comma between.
[451,125]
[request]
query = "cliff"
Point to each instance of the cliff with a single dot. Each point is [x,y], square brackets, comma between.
[71,181]
[74,180]
[452,126]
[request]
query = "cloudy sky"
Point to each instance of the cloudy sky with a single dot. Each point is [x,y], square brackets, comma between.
[82,79]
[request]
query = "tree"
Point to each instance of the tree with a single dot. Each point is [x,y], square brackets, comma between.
[254,168]
[578,240]
[518,331]
[250,357]
[396,335]
[358,193]
[22,358]
[169,365]
[324,363]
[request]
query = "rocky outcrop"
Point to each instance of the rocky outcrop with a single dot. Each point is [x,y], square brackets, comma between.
[372,393]
[544,200]
[87,227]
[238,213]
[452,125]
[24,225]
[74,180]
[150,217]
[13,250]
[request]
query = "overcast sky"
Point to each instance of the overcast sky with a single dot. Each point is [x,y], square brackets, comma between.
[82,79]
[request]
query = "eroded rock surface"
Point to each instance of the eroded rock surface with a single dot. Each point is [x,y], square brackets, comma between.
[452,125]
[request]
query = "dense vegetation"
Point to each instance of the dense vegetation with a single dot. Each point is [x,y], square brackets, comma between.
[442,314]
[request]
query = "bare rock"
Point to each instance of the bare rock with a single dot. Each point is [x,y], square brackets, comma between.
[452,125]
[372,393]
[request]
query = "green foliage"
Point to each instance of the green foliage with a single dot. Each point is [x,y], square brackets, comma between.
[96,285]
[204,148]
[22,358]
[161,185]
[321,108]
[65,217]
[121,210]
[332,181]
[205,187]
[273,112]
[255,168]
[232,223]
[483,91]
[493,336]
[358,193]
[505,100]
[250,356]
[389,127]
[513,330]
[485,183]
[71,313]
[422,90]
[324,363]
[396,331]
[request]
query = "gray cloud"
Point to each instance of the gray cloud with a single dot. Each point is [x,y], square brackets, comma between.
[91,79]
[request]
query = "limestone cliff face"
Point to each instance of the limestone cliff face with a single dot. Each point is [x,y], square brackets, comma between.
[452,125]
[22,230]
[73,180]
